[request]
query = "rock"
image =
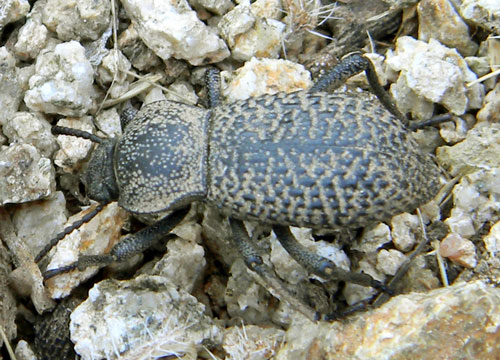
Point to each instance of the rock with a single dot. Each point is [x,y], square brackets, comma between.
[249,35]
[492,240]
[11,92]
[92,238]
[108,121]
[459,250]
[445,73]
[264,76]
[389,261]
[25,175]
[62,83]
[36,223]
[8,303]
[416,326]
[72,151]
[251,342]
[476,200]
[480,149]
[31,128]
[114,72]
[148,317]
[24,352]
[439,20]
[32,38]
[219,7]
[490,111]
[141,57]
[355,293]
[12,10]
[404,227]
[172,29]
[183,264]
[245,298]
[373,238]
[77,20]
[483,13]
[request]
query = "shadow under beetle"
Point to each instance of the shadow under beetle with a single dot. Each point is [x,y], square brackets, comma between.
[308,159]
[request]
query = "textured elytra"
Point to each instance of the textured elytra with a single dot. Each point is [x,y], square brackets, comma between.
[161,161]
[316,160]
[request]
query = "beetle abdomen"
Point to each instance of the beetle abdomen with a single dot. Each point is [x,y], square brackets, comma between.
[315,160]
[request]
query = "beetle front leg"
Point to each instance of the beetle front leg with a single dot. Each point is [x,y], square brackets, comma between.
[131,245]
[321,266]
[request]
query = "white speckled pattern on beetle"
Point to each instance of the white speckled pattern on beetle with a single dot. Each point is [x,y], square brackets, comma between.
[306,159]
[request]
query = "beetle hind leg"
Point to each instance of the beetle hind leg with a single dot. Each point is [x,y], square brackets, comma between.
[321,266]
[254,262]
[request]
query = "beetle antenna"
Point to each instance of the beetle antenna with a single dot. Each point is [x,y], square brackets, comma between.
[68,230]
[62,130]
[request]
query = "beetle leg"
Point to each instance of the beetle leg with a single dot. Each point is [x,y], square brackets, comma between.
[131,245]
[127,116]
[319,265]
[212,83]
[68,230]
[350,66]
[254,262]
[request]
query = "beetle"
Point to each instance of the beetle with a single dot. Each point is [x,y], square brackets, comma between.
[308,158]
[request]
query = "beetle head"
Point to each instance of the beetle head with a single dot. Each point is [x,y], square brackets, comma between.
[99,176]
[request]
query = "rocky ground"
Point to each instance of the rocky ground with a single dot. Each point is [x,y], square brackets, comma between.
[80,63]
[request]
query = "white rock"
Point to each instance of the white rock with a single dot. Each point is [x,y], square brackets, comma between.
[12,10]
[251,342]
[373,238]
[219,7]
[92,238]
[244,297]
[460,222]
[425,66]
[108,121]
[77,19]
[113,71]
[492,240]
[236,22]
[404,226]
[182,91]
[24,352]
[32,38]
[264,76]
[249,35]
[183,264]
[484,13]
[172,29]
[389,261]
[490,111]
[144,318]
[31,128]
[11,92]
[355,293]
[62,83]
[480,149]
[25,175]
[269,9]
[36,223]
[476,200]
[459,250]
[73,150]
